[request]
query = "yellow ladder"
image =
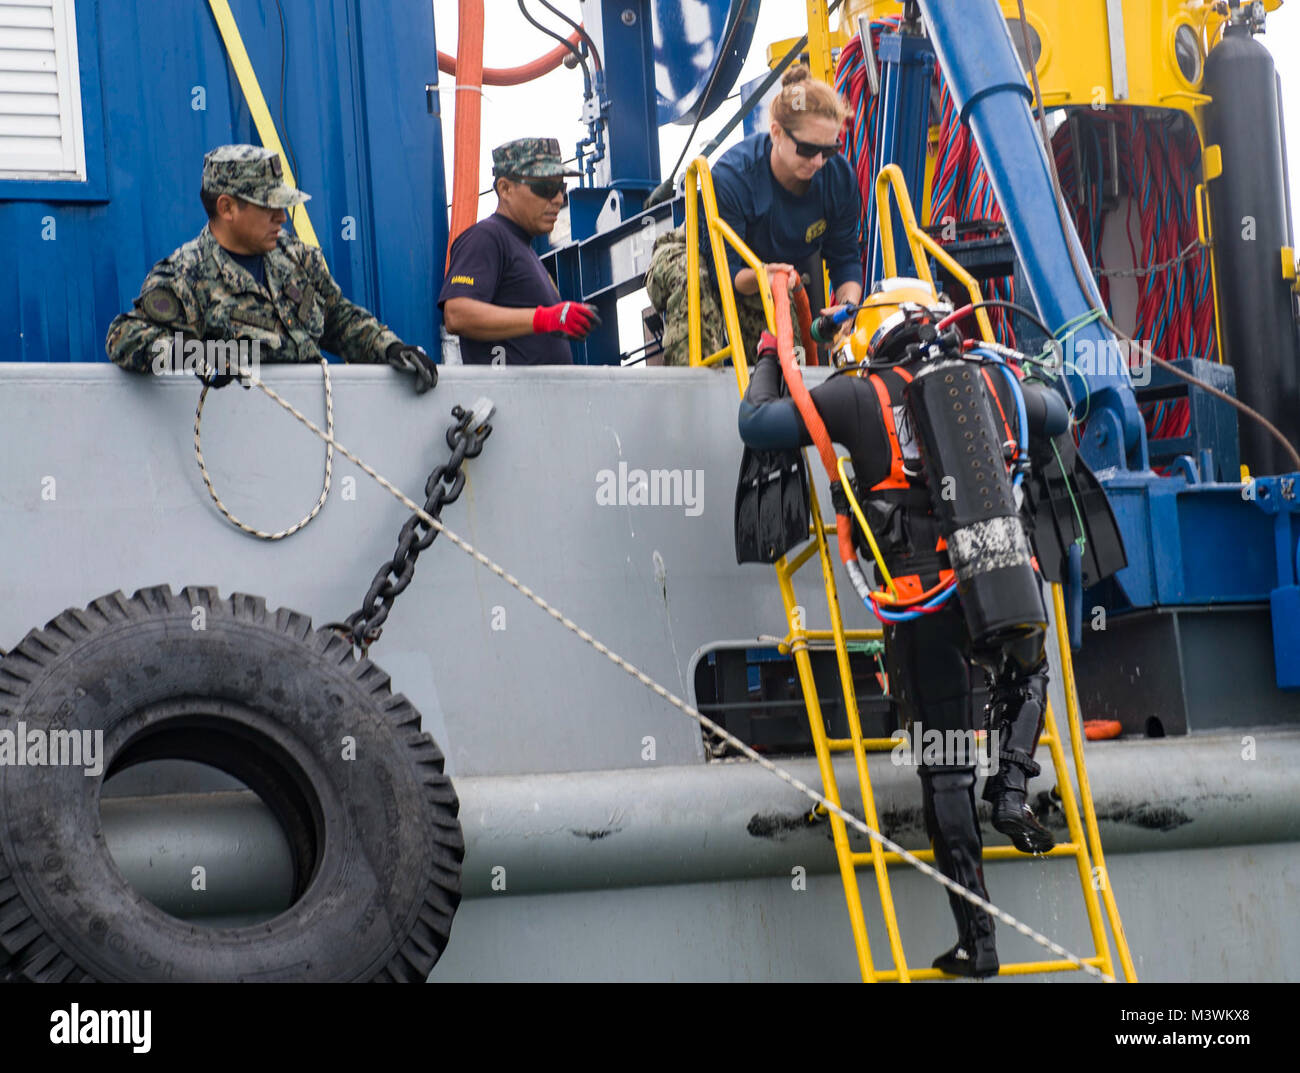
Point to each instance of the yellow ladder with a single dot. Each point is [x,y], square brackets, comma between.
[1085,843]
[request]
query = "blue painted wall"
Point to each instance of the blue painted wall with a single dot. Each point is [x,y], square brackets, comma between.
[354,110]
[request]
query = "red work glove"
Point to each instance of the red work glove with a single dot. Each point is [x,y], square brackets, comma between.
[767,345]
[572,318]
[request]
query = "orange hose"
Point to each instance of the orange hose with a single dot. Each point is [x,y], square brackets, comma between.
[469,114]
[804,312]
[912,601]
[516,76]
[803,401]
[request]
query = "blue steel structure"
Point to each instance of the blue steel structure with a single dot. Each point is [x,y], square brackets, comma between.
[988,87]
[626,168]
[611,233]
[157,92]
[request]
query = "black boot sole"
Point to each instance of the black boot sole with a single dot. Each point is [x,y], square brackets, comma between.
[977,968]
[1028,836]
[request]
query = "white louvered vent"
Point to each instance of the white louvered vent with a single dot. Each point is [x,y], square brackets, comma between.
[40,91]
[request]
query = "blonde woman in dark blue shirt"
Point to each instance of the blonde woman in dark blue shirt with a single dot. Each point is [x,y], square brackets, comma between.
[790,194]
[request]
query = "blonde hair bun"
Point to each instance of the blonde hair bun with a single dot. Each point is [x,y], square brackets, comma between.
[802,95]
[795,74]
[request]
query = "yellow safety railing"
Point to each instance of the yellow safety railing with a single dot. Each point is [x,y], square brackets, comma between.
[1101,877]
[796,642]
[699,187]
[1085,843]
[891,178]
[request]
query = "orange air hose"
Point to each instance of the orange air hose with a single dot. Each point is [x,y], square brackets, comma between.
[469,113]
[516,76]
[807,408]
[804,312]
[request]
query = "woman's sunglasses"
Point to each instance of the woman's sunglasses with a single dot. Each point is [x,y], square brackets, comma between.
[808,150]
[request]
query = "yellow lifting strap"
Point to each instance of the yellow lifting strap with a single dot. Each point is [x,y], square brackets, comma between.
[257,105]
[1084,844]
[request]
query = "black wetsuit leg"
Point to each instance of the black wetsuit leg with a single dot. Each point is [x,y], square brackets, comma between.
[928,661]
[1017,710]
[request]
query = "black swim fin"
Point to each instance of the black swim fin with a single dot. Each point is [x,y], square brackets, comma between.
[1056,521]
[772,505]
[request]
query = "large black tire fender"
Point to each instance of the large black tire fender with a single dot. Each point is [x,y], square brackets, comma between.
[340,760]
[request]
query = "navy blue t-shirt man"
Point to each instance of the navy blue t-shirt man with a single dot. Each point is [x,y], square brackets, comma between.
[789,193]
[497,296]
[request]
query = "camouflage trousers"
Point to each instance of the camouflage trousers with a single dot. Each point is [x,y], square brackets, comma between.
[666,285]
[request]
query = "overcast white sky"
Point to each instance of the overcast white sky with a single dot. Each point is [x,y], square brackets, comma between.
[550,106]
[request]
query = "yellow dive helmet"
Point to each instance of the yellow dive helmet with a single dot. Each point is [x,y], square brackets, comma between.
[892,305]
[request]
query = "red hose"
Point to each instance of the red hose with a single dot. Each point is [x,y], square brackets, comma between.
[804,312]
[469,113]
[807,408]
[516,76]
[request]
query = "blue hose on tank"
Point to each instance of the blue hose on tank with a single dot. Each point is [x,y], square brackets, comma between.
[1074,592]
[1022,418]
[929,606]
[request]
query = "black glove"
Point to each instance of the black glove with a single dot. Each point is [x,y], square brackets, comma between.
[206,372]
[413,359]
[217,380]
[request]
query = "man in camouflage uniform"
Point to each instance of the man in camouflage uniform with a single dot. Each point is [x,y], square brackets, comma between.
[243,278]
[665,284]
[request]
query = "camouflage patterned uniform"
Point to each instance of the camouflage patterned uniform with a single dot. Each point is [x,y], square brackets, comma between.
[666,286]
[201,291]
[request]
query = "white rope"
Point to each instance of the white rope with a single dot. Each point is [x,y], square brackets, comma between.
[329,463]
[703,720]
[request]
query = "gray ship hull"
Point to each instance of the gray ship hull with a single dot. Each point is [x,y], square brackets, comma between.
[601,843]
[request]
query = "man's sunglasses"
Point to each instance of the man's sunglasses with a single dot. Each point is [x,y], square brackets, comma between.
[808,150]
[546,189]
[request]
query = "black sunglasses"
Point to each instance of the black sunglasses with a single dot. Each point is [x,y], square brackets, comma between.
[808,150]
[546,189]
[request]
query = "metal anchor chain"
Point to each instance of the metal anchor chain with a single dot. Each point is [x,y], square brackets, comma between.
[446,482]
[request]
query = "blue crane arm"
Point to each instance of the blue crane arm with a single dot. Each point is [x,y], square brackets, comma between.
[988,86]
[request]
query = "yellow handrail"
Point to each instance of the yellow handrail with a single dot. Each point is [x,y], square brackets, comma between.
[699,181]
[891,177]
[1102,877]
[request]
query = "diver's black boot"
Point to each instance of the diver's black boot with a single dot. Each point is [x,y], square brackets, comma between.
[974,955]
[950,820]
[1016,716]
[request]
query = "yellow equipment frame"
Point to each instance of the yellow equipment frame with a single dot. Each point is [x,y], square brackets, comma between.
[1085,842]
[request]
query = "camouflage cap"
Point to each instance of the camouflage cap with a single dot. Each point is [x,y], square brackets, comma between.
[252,173]
[529,158]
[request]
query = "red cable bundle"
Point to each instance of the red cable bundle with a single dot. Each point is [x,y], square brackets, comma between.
[1159,159]
[960,191]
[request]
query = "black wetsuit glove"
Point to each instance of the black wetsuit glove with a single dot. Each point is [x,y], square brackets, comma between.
[413,359]
[766,381]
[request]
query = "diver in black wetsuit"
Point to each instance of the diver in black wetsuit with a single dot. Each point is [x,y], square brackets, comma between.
[928,659]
